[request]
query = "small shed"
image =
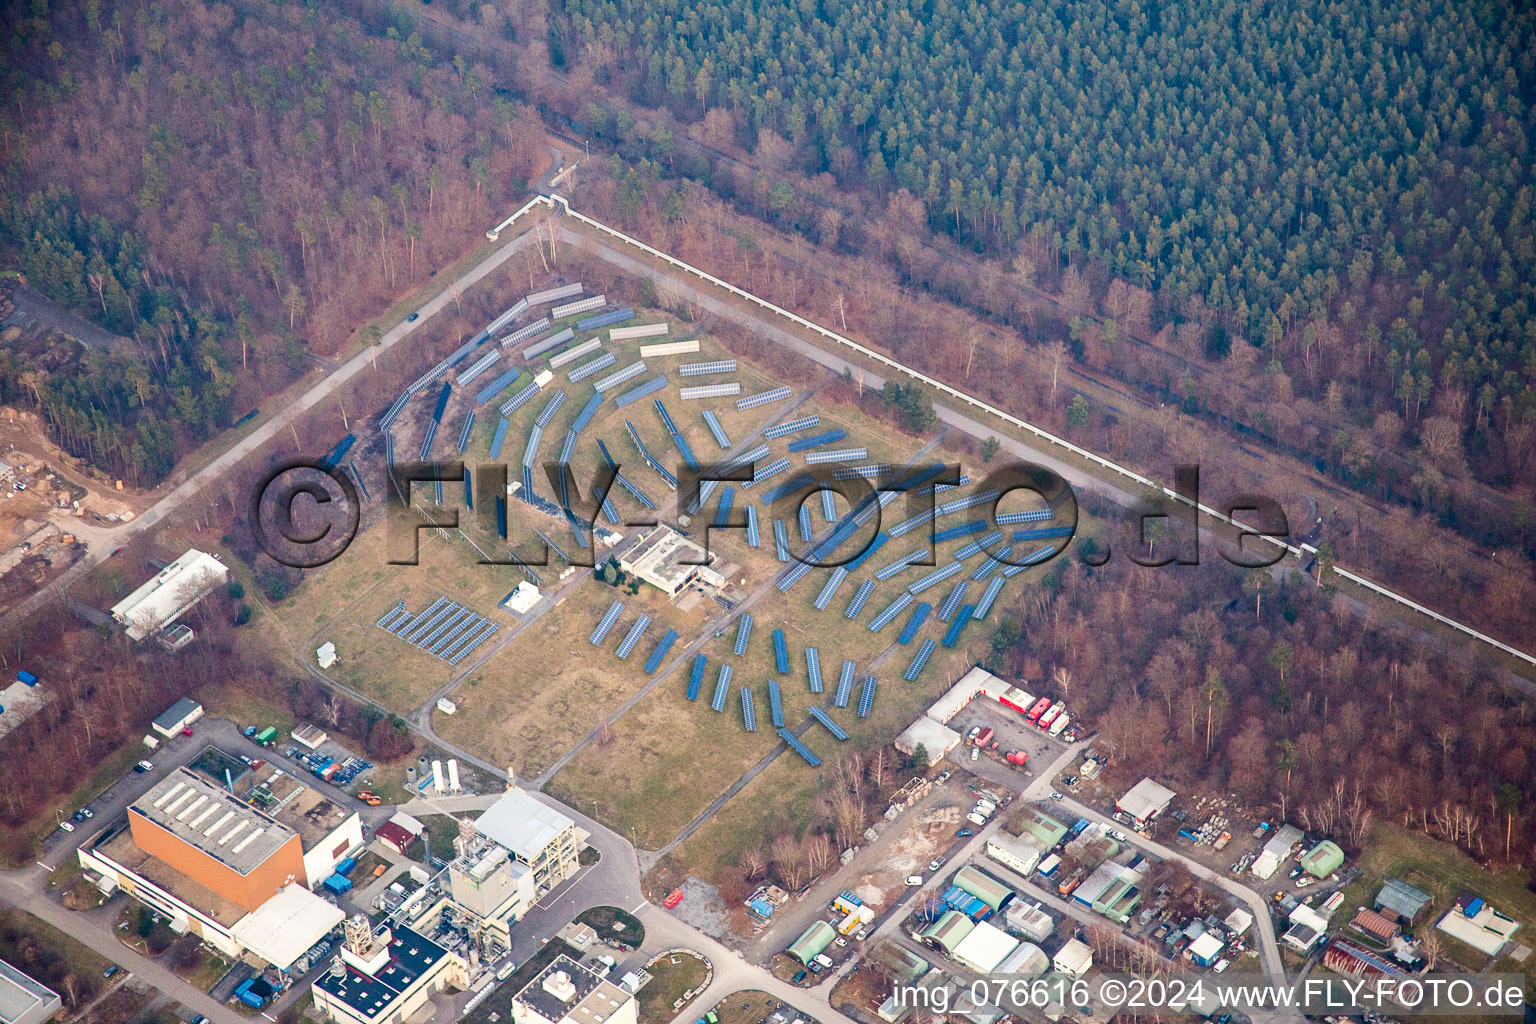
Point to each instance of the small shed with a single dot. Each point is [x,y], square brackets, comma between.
[1377,926]
[310,736]
[325,655]
[177,717]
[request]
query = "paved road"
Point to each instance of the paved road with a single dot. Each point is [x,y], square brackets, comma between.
[183,494]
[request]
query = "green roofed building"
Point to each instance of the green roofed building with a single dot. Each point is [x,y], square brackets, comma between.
[1323,859]
[947,931]
[984,887]
[1042,828]
[811,942]
[1119,901]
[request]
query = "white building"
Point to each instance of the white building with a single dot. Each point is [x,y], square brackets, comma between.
[24,999]
[536,835]
[1074,958]
[1307,927]
[665,559]
[177,717]
[1146,800]
[936,739]
[1478,925]
[1021,855]
[386,977]
[565,992]
[522,599]
[1276,851]
[170,593]
[1029,921]
[288,924]
[985,947]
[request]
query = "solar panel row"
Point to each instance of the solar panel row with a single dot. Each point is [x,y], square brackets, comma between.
[606,623]
[867,696]
[764,397]
[748,712]
[834,581]
[969,501]
[579,306]
[586,370]
[977,545]
[469,425]
[608,319]
[653,661]
[1033,516]
[874,471]
[953,532]
[837,455]
[723,510]
[709,391]
[761,473]
[952,635]
[860,596]
[634,395]
[696,676]
[844,685]
[1047,533]
[956,595]
[516,401]
[920,659]
[753,538]
[988,596]
[780,540]
[713,423]
[788,487]
[570,355]
[874,545]
[588,411]
[828,508]
[743,634]
[544,345]
[803,444]
[1033,558]
[525,332]
[699,369]
[795,575]
[613,380]
[633,636]
[478,367]
[803,516]
[791,426]
[775,703]
[551,407]
[780,652]
[800,748]
[813,668]
[890,611]
[722,689]
[826,720]
[937,576]
[919,615]
[901,564]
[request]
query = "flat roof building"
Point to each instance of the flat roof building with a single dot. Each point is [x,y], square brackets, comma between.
[24,999]
[177,717]
[535,834]
[384,977]
[1042,828]
[1307,927]
[1029,921]
[1477,924]
[1276,851]
[170,593]
[936,738]
[1073,958]
[565,992]
[1146,800]
[1017,854]
[665,559]
[984,948]
[288,924]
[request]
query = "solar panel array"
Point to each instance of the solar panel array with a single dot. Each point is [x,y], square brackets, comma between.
[867,696]
[633,636]
[608,319]
[1035,516]
[568,448]
[860,596]
[988,596]
[660,349]
[1047,533]
[606,623]
[445,629]
[750,455]
[800,748]
[564,291]
[913,522]
[713,423]
[710,391]
[516,401]
[723,510]
[813,668]
[826,720]
[780,652]
[548,412]
[804,518]
[834,581]
[579,306]
[761,473]
[753,538]
[524,333]
[952,532]
[764,397]
[696,676]
[775,704]
[570,355]
[743,634]
[978,545]
[871,472]
[613,380]
[662,647]
[722,689]
[780,540]
[936,577]
[919,616]
[844,685]
[969,501]
[554,341]
[795,575]
[586,370]
[532,448]
[920,659]
[923,492]
[873,546]
[791,426]
[901,564]
[947,609]
[955,628]
[469,424]
[890,611]
[426,442]
[699,369]
[1033,558]
[748,712]
[588,411]
[837,455]
[478,367]
[817,440]
[497,386]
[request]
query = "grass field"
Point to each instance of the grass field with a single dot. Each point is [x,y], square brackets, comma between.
[747,1007]
[1445,873]
[670,978]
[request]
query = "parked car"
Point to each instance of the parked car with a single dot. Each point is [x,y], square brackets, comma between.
[1070,780]
[144,766]
[799,977]
[975,753]
[67,826]
[412,318]
[1117,835]
[914,879]
[936,863]
[1221,965]
[110,971]
[965,832]
[1056,796]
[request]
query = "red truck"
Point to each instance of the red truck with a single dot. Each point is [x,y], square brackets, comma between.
[1039,709]
[673,899]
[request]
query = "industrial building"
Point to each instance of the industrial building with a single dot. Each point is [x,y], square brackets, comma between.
[1307,927]
[811,942]
[935,738]
[25,1000]
[1146,800]
[1029,921]
[565,992]
[177,717]
[1400,898]
[1074,958]
[1323,859]
[668,561]
[206,859]
[535,834]
[1042,828]
[1477,924]
[170,593]
[1013,852]
[948,931]
[984,948]
[384,977]
[1276,851]
[490,885]
[984,887]
[932,729]
[282,929]
[400,831]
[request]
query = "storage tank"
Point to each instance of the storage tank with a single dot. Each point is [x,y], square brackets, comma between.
[453,774]
[437,776]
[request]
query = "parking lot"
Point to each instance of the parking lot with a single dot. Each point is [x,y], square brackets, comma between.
[1011,732]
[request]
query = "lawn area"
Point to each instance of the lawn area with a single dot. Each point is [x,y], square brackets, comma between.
[613,925]
[671,978]
[1445,873]
[497,1005]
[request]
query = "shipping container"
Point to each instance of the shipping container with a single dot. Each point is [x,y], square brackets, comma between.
[984,737]
[330,772]
[346,865]
[266,735]
[1017,757]
[1018,699]
[23,676]
[1049,865]
[1039,709]
[1051,714]
[338,884]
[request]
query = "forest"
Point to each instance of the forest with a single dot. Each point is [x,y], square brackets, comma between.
[1338,196]
[233,189]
